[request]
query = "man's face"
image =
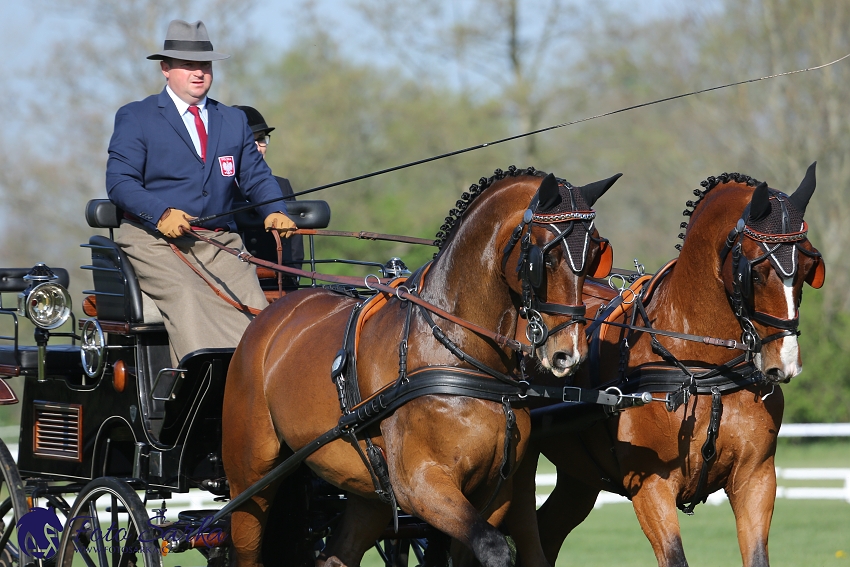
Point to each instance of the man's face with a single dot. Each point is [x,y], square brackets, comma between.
[190,80]
[262,141]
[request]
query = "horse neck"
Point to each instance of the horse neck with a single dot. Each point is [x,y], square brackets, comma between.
[693,298]
[467,279]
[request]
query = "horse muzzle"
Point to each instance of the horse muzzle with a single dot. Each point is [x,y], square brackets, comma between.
[563,354]
[781,368]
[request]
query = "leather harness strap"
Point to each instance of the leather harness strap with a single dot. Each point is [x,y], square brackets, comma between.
[377,285]
[238,305]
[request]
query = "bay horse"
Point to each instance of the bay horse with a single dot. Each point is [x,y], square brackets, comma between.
[519,240]
[740,272]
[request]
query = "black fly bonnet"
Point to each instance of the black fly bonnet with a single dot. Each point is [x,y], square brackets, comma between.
[775,222]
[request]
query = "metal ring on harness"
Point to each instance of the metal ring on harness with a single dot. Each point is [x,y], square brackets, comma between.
[623,296]
[366,281]
[524,386]
[615,391]
[536,331]
[401,291]
[614,287]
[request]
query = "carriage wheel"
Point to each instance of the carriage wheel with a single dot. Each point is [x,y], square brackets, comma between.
[108,527]
[12,507]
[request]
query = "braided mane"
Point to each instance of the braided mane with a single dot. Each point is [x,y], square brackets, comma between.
[707,186]
[466,199]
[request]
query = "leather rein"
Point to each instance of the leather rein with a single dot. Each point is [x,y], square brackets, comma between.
[376,284]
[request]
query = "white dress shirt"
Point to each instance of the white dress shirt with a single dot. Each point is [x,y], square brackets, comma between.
[189,118]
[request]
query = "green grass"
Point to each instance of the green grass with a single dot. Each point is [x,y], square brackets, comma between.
[807,533]
[804,533]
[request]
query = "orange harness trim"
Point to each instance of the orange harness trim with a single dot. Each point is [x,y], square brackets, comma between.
[646,281]
[378,302]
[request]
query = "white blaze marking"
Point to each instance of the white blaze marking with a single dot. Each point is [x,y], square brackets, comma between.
[790,351]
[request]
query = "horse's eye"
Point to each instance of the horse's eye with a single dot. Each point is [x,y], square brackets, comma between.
[551,262]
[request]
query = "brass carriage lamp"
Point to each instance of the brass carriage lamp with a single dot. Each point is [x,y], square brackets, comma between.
[47,304]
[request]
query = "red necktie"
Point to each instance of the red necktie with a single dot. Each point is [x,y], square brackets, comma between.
[202,132]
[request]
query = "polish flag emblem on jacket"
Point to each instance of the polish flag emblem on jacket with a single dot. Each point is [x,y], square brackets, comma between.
[227,167]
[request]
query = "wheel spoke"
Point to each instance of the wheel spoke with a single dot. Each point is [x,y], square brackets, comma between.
[97,531]
[115,546]
[7,531]
[113,501]
[83,553]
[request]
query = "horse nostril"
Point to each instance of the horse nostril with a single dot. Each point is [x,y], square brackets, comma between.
[560,360]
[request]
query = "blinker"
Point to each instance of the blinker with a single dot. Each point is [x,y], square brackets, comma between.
[535,266]
[601,267]
[817,275]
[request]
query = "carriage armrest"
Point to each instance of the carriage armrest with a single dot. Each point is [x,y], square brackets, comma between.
[306,214]
[12,279]
[310,214]
[103,213]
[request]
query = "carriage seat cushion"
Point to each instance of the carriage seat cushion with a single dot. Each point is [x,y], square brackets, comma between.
[59,359]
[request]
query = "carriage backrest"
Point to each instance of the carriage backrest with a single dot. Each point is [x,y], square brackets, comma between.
[116,286]
[103,213]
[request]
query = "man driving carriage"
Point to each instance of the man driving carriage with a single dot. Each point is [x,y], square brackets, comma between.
[177,156]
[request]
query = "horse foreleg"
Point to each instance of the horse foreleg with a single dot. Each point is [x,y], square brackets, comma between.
[363,522]
[655,508]
[570,502]
[752,496]
[433,496]
[521,520]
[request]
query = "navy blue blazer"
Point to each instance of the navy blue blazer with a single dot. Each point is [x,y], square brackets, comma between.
[153,164]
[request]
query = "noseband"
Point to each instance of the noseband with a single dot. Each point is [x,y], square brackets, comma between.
[532,259]
[742,296]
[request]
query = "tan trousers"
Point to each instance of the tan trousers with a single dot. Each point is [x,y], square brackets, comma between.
[195,317]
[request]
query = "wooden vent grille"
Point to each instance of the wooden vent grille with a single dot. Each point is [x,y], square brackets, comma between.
[58,431]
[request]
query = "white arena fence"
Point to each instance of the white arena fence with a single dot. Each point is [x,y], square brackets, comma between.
[545,482]
[197,499]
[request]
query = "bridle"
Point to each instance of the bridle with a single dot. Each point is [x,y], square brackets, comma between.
[742,295]
[531,263]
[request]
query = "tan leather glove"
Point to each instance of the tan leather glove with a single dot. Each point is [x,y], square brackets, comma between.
[174,223]
[281,223]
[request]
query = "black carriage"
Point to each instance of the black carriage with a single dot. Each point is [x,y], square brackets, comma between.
[106,420]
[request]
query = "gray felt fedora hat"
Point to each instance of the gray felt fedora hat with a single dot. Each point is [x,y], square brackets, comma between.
[189,42]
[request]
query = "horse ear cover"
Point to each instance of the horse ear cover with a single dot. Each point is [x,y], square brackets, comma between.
[760,203]
[592,191]
[549,195]
[804,192]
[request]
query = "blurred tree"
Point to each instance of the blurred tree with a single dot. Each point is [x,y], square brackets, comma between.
[337,120]
[517,46]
